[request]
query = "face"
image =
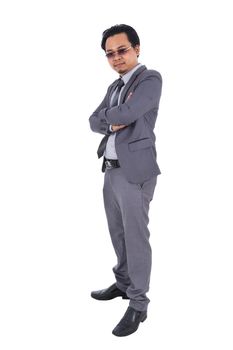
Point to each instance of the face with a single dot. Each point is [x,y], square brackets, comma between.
[121,61]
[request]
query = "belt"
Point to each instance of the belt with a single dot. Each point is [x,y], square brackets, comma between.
[111,163]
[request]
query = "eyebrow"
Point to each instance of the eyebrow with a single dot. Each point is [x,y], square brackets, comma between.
[117,48]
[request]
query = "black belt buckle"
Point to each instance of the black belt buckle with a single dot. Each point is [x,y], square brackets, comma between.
[111,163]
[108,164]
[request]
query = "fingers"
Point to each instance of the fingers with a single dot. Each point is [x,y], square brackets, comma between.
[118,127]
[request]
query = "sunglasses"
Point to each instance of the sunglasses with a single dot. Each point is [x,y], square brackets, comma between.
[120,52]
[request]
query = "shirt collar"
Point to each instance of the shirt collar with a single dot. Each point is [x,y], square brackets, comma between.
[125,77]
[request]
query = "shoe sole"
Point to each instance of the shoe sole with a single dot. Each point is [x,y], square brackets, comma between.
[102,299]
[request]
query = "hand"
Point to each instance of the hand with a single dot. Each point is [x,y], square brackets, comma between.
[118,127]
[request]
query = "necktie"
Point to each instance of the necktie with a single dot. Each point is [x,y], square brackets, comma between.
[114,102]
[120,84]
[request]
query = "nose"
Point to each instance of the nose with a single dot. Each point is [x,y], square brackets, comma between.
[116,55]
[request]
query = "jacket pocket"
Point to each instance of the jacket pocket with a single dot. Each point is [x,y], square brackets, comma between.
[140,144]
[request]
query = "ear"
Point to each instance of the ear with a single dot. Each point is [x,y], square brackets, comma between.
[137,50]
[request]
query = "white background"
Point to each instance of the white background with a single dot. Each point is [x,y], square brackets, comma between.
[54,245]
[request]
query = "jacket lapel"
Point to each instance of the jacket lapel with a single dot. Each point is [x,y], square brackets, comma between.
[127,86]
[130,82]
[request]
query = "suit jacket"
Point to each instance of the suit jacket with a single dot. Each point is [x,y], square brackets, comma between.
[138,109]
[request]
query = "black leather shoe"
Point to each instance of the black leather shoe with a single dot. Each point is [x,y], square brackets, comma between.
[130,322]
[109,293]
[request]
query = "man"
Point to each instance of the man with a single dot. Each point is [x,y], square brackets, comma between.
[127,118]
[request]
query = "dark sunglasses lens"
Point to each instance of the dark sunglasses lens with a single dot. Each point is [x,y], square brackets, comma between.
[109,55]
[121,51]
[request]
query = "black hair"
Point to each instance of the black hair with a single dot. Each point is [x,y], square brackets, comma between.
[121,28]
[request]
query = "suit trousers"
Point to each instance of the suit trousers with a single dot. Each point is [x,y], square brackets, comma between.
[127,207]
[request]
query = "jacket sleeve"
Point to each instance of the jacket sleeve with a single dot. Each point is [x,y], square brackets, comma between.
[144,98]
[98,123]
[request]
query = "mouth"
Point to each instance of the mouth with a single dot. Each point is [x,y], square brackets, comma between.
[118,65]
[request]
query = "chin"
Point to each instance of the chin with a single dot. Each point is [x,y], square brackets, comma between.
[121,70]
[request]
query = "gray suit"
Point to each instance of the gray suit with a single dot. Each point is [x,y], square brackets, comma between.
[128,190]
[135,145]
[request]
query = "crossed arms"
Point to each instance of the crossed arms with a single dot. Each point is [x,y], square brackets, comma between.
[144,98]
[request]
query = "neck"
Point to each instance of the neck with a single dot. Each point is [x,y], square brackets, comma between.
[121,75]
